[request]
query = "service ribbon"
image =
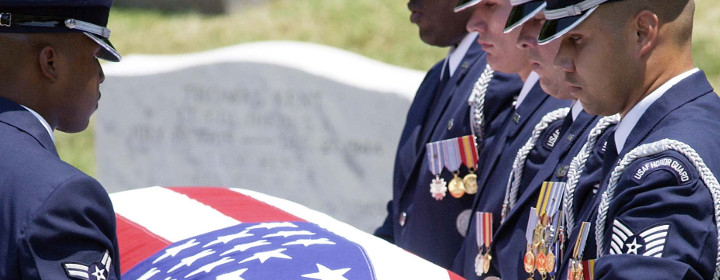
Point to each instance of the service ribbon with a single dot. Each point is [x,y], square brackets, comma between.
[588,269]
[451,151]
[487,228]
[479,229]
[580,242]
[435,157]
[555,198]
[542,202]
[532,222]
[468,152]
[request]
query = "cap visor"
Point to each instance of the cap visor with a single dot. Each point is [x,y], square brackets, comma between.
[464,4]
[108,53]
[555,28]
[522,13]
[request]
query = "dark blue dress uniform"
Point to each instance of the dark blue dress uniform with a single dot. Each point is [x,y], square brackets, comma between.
[514,129]
[55,221]
[661,220]
[416,221]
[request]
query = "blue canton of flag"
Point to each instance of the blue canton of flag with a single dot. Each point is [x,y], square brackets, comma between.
[280,250]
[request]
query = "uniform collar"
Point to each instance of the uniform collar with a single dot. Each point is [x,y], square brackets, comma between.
[627,123]
[576,109]
[531,80]
[457,53]
[42,121]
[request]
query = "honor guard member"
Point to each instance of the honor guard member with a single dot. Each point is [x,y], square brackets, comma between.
[513,131]
[656,213]
[56,222]
[457,100]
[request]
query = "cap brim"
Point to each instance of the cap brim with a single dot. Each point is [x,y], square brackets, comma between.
[556,28]
[108,51]
[522,13]
[464,4]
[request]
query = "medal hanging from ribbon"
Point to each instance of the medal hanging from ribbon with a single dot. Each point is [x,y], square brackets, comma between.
[551,229]
[451,151]
[435,160]
[530,236]
[469,155]
[484,230]
[575,271]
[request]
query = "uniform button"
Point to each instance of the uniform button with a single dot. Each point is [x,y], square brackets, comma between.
[403,219]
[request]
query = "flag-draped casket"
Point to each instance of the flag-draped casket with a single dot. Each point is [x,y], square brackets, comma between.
[220,233]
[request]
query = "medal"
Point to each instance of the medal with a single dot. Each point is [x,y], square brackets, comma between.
[479,265]
[576,268]
[451,152]
[469,156]
[483,227]
[530,237]
[578,271]
[435,160]
[486,262]
[529,262]
[550,262]
[540,262]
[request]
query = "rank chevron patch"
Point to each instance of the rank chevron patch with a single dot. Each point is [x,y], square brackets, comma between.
[95,271]
[650,242]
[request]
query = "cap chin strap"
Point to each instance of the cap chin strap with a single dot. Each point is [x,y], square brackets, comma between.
[87,27]
[572,10]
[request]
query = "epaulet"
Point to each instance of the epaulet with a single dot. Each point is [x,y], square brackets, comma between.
[577,165]
[477,105]
[647,150]
[517,169]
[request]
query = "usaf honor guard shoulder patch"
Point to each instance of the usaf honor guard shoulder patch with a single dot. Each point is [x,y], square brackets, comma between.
[95,271]
[649,242]
[670,164]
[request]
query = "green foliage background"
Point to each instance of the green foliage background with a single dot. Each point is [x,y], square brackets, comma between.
[374,28]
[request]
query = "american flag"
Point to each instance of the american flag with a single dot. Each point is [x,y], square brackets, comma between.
[220,233]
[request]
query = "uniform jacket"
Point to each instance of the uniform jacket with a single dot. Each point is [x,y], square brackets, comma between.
[56,221]
[416,221]
[514,129]
[660,222]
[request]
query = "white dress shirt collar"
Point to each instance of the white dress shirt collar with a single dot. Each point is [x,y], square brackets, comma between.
[42,121]
[627,123]
[530,82]
[457,53]
[576,108]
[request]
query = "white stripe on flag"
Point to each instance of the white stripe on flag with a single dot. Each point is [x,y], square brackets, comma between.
[180,217]
[386,258]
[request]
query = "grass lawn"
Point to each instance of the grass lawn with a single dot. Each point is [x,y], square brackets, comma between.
[374,28]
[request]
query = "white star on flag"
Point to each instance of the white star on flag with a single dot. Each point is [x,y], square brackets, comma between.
[264,256]
[227,238]
[209,267]
[325,273]
[191,259]
[308,242]
[273,225]
[149,274]
[176,250]
[244,247]
[289,233]
[235,275]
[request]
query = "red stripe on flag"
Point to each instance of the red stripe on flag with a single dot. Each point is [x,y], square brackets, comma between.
[236,205]
[454,276]
[136,243]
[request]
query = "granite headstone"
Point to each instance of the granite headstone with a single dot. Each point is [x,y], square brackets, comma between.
[305,122]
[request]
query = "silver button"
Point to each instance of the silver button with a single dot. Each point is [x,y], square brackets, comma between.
[451,122]
[403,219]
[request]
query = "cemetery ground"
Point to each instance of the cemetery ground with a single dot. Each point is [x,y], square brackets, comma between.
[377,29]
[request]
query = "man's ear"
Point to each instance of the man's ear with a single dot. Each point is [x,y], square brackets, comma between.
[47,59]
[647,28]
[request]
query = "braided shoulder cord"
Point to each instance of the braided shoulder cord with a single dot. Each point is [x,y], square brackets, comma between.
[477,105]
[650,149]
[513,183]
[577,166]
